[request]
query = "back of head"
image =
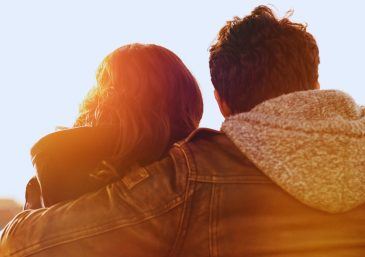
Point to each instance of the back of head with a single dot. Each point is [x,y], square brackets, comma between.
[149,95]
[260,57]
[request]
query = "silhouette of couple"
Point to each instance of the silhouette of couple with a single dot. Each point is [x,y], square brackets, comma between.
[136,177]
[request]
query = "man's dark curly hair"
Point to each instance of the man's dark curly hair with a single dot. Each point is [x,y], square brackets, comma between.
[260,57]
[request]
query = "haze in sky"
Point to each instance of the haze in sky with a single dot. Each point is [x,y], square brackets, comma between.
[49,52]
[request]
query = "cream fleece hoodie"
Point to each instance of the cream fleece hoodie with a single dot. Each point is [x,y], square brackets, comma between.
[310,143]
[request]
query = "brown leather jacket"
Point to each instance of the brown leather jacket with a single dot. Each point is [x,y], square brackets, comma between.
[207,198]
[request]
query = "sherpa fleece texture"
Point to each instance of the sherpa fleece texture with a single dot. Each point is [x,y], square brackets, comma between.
[310,143]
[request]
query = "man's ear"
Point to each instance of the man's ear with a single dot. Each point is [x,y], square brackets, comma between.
[223,107]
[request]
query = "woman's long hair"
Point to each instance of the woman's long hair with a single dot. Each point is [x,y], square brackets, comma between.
[149,96]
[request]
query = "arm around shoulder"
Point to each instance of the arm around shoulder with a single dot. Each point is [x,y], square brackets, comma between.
[132,212]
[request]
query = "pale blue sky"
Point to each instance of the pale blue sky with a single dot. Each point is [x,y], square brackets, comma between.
[49,52]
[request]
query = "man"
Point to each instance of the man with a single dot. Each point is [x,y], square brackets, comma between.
[283,178]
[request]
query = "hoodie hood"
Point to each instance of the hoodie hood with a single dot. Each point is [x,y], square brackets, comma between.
[310,143]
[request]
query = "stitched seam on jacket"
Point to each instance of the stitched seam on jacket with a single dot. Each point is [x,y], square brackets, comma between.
[233,180]
[187,203]
[178,151]
[217,208]
[213,251]
[93,231]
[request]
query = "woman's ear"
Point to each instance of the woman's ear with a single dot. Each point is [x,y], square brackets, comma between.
[223,107]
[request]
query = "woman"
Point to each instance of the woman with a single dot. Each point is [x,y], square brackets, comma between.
[145,99]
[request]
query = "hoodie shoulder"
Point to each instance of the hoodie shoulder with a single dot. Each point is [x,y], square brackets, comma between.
[310,143]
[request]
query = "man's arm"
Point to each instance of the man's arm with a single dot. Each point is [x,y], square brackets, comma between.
[142,209]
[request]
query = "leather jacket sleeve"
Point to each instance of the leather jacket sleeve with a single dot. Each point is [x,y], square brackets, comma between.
[137,214]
